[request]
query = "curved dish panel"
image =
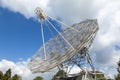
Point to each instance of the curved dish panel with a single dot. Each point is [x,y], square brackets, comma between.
[59,51]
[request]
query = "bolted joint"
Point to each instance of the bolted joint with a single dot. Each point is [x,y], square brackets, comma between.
[40,13]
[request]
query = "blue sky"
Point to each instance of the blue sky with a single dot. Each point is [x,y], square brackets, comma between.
[20,37]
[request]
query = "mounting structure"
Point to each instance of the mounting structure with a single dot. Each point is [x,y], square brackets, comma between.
[69,47]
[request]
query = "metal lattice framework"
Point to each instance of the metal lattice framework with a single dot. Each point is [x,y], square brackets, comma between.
[64,45]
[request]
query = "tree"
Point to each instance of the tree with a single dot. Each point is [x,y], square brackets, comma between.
[59,75]
[118,67]
[118,75]
[16,77]
[1,74]
[7,75]
[38,78]
[100,75]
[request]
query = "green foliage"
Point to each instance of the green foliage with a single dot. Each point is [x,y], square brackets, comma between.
[59,74]
[38,78]
[99,75]
[82,73]
[118,77]
[16,77]
[118,64]
[7,75]
[1,74]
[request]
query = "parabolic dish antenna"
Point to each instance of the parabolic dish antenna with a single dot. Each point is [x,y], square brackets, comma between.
[62,46]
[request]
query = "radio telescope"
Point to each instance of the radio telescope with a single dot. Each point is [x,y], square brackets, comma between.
[68,47]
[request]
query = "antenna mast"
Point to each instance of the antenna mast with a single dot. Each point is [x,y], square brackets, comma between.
[42,17]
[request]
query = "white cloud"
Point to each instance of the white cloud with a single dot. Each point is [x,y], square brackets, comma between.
[107,12]
[22,70]
[24,7]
